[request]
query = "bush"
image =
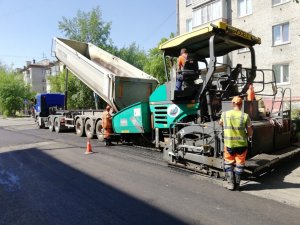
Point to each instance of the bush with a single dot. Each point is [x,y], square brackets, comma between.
[13,92]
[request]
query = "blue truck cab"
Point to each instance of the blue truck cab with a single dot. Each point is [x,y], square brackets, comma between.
[43,102]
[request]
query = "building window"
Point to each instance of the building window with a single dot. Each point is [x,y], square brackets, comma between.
[281,34]
[278,2]
[197,17]
[207,13]
[189,25]
[244,7]
[188,2]
[281,73]
[204,14]
[216,10]
[54,70]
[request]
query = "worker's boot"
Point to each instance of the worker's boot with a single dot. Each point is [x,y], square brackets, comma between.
[109,141]
[106,142]
[230,180]
[237,182]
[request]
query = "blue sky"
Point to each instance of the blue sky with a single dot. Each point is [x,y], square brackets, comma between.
[27,27]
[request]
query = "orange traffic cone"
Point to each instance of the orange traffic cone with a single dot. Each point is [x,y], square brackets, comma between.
[88,147]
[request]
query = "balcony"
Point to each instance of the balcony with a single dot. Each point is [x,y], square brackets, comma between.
[196,3]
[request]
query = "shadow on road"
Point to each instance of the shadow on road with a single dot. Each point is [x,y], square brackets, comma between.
[35,188]
[275,178]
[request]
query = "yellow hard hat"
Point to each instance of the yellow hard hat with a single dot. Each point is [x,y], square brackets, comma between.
[237,100]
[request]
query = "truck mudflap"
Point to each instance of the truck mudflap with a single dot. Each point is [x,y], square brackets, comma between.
[263,162]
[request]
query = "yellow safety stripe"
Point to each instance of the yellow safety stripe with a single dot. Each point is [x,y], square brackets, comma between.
[234,138]
[233,128]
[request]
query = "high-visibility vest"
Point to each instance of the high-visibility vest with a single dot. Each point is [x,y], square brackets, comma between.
[234,125]
[106,120]
[250,93]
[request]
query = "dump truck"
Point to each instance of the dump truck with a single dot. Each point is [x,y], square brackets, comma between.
[118,83]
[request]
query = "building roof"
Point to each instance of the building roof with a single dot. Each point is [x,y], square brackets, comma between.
[42,64]
[227,39]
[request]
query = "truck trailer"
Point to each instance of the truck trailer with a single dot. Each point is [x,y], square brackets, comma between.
[118,83]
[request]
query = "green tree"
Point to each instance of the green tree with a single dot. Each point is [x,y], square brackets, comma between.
[85,27]
[155,64]
[88,27]
[133,55]
[13,92]
[79,95]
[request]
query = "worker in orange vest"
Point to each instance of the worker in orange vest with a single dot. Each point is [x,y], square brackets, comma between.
[181,61]
[250,93]
[251,98]
[107,125]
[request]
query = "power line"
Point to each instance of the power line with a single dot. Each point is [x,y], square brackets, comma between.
[160,25]
[19,60]
[18,56]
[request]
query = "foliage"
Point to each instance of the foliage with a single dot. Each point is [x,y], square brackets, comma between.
[295,113]
[133,55]
[155,65]
[13,92]
[79,95]
[87,27]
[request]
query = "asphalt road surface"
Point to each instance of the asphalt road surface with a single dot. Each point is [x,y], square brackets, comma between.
[45,178]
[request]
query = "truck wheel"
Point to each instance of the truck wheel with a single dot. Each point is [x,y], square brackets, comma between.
[79,127]
[51,125]
[57,125]
[37,121]
[39,126]
[89,128]
[99,131]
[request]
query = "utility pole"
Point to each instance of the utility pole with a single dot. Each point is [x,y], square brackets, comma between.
[177,15]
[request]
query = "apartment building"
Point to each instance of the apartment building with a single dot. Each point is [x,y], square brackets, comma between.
[54,69]
[195,13]
[36,74]
[276,22]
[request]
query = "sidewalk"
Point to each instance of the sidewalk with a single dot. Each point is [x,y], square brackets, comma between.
[282,184]
[5,122]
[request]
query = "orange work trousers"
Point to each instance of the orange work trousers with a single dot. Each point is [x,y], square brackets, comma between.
[107,132]
[235,157]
